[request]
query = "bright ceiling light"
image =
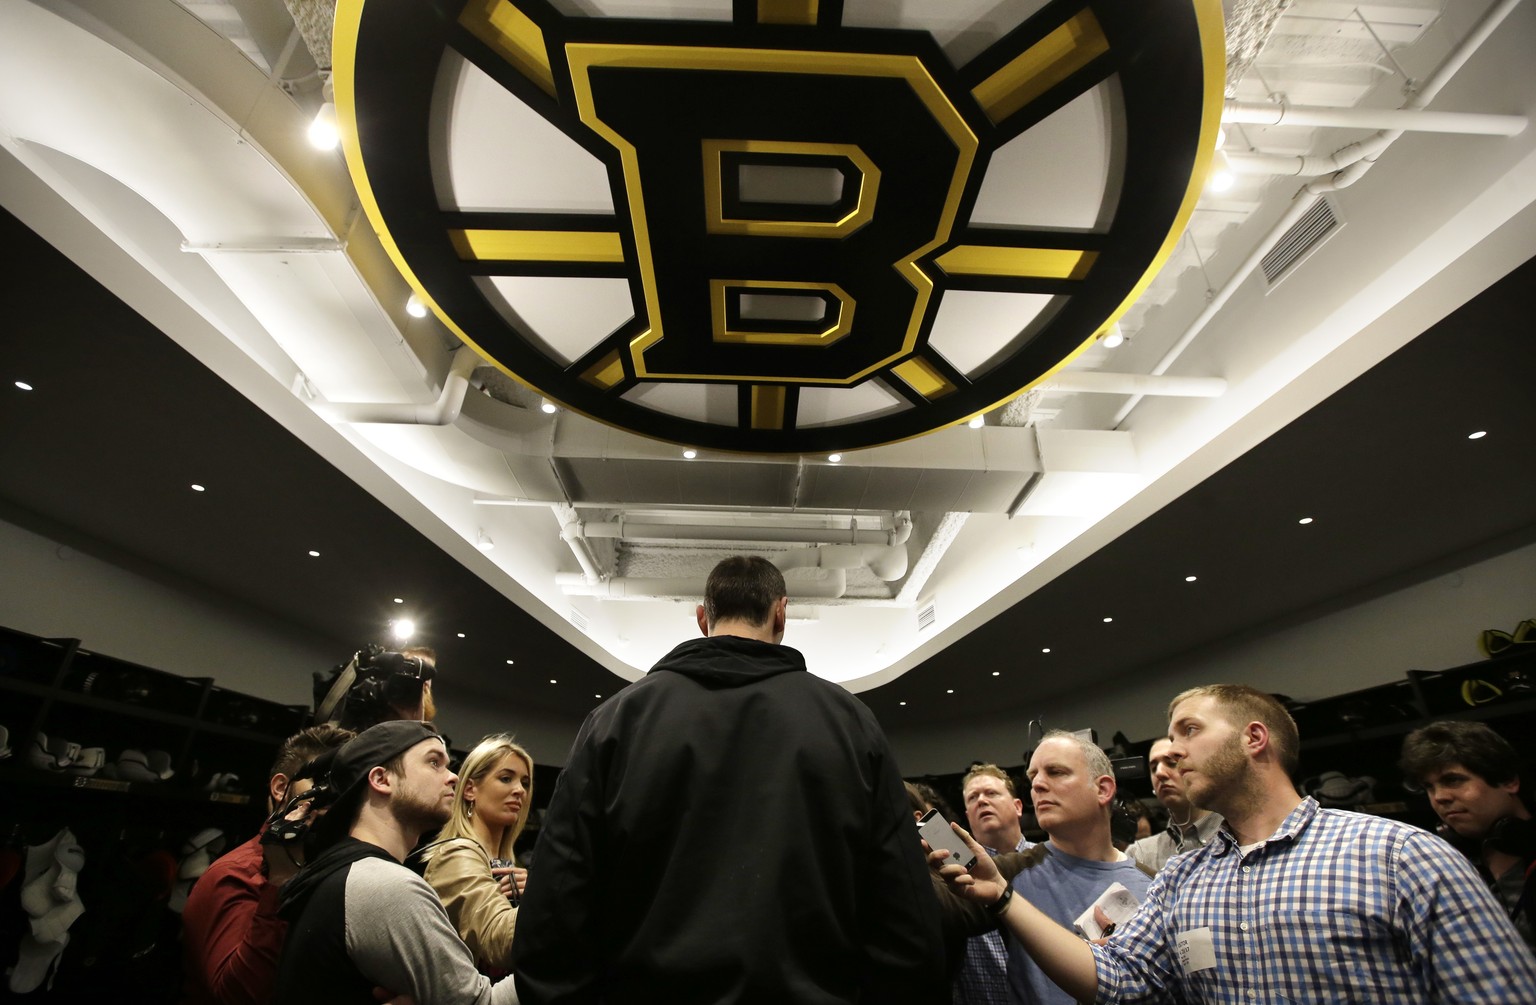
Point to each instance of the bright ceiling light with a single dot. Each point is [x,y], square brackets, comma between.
[509,662]
[1304,520]
[977,422]
[414,307]
[1471,436]
[690,453]
[834,458]
[1113,338]
[483,541]
[24,385]
[1108,620]
[1189,579]
[553,681]
[461,635]
[901,703]
[997,673]
[1046,649]
[548,407]
[314,554]
[198,488]
[323,131]
[399,600]
[403,628]
[1221,177]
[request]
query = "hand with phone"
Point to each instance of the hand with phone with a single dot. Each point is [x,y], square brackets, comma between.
[973,874]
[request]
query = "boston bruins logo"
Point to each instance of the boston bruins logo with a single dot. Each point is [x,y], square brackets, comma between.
[796,227]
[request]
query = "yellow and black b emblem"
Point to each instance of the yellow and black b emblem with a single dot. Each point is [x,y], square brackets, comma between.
[801,225]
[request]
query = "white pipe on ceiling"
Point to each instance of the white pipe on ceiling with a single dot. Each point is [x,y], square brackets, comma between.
[1359,157]
[1093,382]
[830,587]
[630,530]
[441,412]
[1407,119]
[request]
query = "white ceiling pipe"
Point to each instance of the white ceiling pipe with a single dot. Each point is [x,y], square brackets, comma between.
[441,412]
[629,530]
[1093,382]
[571,534]
[1406,119]
[889,562]
[1368,150]
[830,587]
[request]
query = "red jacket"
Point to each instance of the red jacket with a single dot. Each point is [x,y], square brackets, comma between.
[231,932]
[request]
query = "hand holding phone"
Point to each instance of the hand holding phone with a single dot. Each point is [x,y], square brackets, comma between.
[934,829]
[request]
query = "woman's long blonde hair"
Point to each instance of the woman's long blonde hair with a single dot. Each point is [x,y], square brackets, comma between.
[487,754]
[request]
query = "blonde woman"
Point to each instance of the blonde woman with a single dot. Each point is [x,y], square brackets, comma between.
[489,809]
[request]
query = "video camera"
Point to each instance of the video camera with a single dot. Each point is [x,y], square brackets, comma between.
[370,687]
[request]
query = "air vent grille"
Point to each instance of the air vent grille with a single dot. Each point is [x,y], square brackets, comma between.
[1314,227]
[926,616]
[579,620]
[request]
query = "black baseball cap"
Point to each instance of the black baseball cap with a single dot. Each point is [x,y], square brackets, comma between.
[373,747]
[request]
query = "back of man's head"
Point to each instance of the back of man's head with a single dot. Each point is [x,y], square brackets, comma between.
[1240,705]
[743,588]
[300,749]
[1473,745]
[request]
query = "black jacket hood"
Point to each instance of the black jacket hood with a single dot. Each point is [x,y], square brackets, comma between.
[730,661]
[297,891]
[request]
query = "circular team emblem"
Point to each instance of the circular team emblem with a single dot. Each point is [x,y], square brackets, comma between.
[798,227]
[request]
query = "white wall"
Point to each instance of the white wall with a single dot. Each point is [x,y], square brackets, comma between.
[148,616]
[1431,625]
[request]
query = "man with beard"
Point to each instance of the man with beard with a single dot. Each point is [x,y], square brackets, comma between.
[360,920]
[1189,827]
[1290,902]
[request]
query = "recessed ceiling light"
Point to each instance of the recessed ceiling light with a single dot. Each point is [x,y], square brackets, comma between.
[997,673]
[834,458]
[461,635]
[483,541]
[314,554]
[690,453]
[949,691]
[548,407]
[509,662]
[414,307]
[1189,579]
[1471,436]
[1046,649]
[977,422]
[901,703]
[1108,620]
[1113,338]
[553,681]
[24,385]
[1304,520]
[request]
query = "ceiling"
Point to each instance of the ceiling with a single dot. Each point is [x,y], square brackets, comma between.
[248,316]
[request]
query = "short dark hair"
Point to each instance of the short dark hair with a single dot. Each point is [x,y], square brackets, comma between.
[1473,745]
[924,797]
[1252,705]
[743,588]
[306,745]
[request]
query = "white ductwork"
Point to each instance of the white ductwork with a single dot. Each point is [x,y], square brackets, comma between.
[1405,119]
[825,584]
[633,530]
[1093,382]
[441,412]
[889,562]
[1355,159]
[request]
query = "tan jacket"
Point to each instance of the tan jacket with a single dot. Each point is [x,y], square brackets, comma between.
[460,871]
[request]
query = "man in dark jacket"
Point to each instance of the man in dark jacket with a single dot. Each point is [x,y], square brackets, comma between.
[730,829]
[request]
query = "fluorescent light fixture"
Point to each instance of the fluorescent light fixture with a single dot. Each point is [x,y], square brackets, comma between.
[414,307]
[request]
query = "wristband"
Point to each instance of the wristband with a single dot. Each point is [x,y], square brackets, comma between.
[1001,904]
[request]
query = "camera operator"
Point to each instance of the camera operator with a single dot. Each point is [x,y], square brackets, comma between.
[1471,775]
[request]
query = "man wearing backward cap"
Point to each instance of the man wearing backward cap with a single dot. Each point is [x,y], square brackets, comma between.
[358,918]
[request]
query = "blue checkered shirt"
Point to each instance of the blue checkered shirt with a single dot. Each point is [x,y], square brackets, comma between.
[983,976]
[1334,907]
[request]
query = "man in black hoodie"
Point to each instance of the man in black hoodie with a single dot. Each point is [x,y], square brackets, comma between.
[357,918]
[730,829]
